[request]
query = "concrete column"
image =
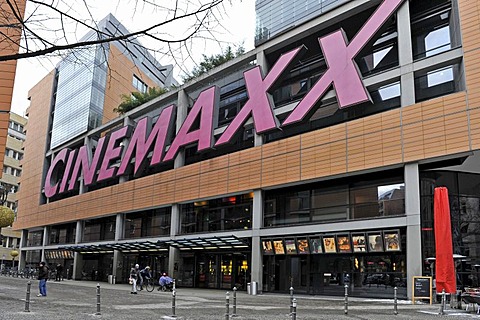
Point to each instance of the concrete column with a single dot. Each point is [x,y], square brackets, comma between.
[78,258]
[405,55]
[262,62]
[174,253]
[44,242]
[22,257]
[126,122]
[182,110]
[118,255]
[414,236]
[256,267]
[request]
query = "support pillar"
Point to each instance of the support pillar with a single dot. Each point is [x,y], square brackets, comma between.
[414,236]
[256,268]
[174,260]
[78,258]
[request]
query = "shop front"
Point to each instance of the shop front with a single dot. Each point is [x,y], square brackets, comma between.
[214,262]
[370,262]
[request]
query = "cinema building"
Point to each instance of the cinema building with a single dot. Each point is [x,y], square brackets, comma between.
[309,161]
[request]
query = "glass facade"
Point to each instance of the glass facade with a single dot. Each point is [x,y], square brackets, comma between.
[62,234]
[229,213]
[79,94]
[148,223]
[464,199]
[335,202]
[99,229]
[275,16]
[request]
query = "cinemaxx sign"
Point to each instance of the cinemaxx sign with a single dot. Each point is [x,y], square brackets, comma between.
[342,73]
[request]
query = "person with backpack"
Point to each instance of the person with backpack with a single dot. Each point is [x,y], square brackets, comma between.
[42,277]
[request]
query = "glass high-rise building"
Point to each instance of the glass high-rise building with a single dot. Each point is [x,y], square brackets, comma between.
[81,81]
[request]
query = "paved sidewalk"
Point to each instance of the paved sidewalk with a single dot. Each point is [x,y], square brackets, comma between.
[77,300]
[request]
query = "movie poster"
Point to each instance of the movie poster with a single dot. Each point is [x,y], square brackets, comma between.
[329,244]
[392,240]
[359,242]
[343,243]
[375,242]
[278,247]
[316,245]
[267,247]
[302,246]
[290,246]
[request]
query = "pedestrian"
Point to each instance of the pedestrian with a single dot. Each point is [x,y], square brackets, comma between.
[165,282]
[59,272]
[42,277]
[143,274]
[134,274]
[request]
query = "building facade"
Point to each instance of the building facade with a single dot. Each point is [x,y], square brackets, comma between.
[12,170]
[10,33]
[309,161]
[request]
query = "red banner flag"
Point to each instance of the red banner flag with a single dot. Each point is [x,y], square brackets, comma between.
[445,267]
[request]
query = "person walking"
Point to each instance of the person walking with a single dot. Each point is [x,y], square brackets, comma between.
[59,272]
[134,273]
[42,277]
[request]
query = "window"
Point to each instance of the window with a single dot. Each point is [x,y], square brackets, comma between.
[139,84]
[430,27]
[148,224]
[437,82]
[228,213]
[99,229]
[349,200]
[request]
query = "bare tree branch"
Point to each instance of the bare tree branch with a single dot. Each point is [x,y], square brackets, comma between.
[202,15]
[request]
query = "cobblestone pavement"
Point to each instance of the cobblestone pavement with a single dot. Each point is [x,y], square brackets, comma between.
[78,300]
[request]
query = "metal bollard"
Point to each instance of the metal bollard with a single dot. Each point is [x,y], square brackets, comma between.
[442,303]
[98,299]
[27,298]
[395,310]
[291,299]
[234,314]
[346,299]
[227,305]
[294,309]
[174,294]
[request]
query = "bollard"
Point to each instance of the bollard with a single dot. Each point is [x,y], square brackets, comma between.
[227,305]
[395,310]
[27,298]
[294,309]
[442,303]
[174,287]
[234,314]
[346,299]
[174,294]
[291,299]
[98,299]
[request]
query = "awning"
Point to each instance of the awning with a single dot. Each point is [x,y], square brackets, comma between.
[138,246]
[208,243]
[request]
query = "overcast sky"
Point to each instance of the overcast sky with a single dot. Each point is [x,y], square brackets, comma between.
[240,23]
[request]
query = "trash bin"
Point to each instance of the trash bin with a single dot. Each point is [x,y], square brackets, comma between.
[111,279]
[253,288]
[249,286]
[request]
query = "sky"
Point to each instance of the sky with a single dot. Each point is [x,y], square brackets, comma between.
[239,22]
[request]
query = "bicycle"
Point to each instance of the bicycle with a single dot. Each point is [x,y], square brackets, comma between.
[149,284]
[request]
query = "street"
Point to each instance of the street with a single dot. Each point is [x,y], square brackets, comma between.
[78,300]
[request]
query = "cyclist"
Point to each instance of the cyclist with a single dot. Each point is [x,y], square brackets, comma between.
[165,282]
[144,274]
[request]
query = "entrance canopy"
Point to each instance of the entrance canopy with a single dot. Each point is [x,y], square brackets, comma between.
[139,246]
[208,243]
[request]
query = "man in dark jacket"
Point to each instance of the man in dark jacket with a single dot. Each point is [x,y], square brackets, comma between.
[42,276]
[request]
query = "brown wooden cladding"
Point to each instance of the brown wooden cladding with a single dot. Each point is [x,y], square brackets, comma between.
[429,129]
[438,127]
